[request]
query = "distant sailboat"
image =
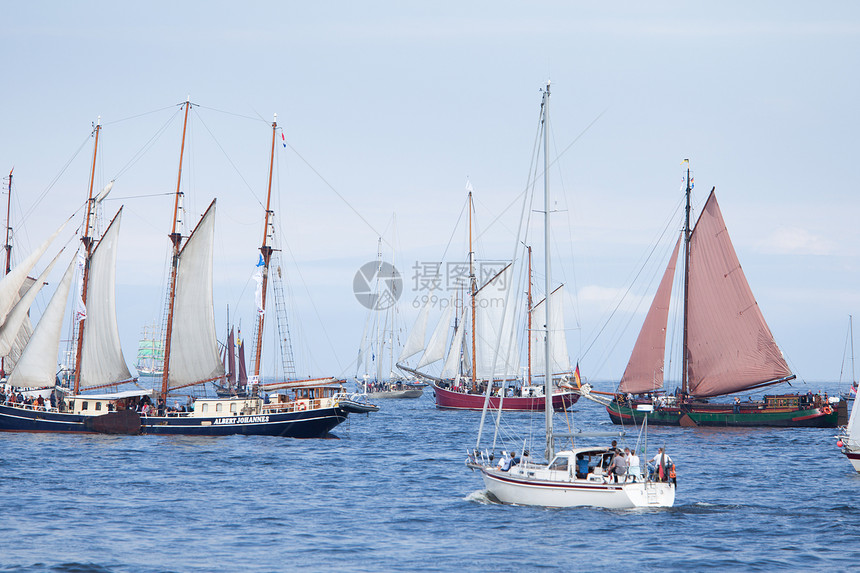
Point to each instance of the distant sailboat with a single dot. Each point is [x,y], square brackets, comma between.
[727,345]
[489,352]
[150,351]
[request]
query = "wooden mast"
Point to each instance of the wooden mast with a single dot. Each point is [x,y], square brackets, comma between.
[87,240]
[684,357]
[176,239]
[266,252]
[473,287]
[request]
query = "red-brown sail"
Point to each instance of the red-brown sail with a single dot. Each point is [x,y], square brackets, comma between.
[730,345]
[644,371]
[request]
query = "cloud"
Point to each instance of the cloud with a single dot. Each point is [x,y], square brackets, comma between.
[795,241]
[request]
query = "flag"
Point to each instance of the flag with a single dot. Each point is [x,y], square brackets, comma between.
[283,139]
[261,262]
[469,185]
[576,377]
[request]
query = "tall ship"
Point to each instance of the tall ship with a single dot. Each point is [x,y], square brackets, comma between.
[482,361]
[727,347]
[150,352]
[191,354]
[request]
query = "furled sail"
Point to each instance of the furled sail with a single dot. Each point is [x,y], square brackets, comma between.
[193,344]
[558,339]
[37,366]
[102,361]
[18,314]
[24,332]
[436,347]
[730,345]
[10,286]
[496,351]
[452,362]
[644,371]
[415,340]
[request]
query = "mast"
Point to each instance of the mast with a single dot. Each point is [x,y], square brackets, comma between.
[8,246]
[176,239]
[851,331]
[87,240]
[266,252]
[529,304]
[547,393]
[473,286]
[684,356]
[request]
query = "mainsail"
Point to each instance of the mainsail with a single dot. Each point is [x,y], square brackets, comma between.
[24,333]
[496,350]
[102,361]
[644,371]
[730,345]
[193,344]
[436,347]
[560,359]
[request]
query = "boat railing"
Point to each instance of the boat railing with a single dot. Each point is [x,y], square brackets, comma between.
[33,407]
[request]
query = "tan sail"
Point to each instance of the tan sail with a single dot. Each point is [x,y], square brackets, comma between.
[644,371]
[102,361]
[730,345]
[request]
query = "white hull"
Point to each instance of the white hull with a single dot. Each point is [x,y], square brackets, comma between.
[516,487]
[853,455]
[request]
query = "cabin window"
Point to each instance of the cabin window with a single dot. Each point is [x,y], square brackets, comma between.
[98,405]
[233,407]
[205,407]
[219,407]
[559,463]
[84,405]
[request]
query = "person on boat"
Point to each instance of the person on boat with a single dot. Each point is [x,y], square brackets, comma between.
[634,467]
[505,462]
[661,461]
[581,466]
[514,459]
[618,467]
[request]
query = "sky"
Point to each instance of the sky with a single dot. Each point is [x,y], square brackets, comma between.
[389,108]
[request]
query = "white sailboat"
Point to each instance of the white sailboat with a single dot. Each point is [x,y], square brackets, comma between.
[571,477]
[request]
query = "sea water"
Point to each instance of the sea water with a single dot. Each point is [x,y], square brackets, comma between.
[391,493]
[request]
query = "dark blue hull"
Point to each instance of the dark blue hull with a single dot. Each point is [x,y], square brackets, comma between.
[301,424]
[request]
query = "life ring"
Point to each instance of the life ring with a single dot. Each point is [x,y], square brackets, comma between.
[827,410]
[303,406]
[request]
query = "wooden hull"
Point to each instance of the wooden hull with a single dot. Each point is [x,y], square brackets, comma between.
[446,399]
[724,415]
[314,423]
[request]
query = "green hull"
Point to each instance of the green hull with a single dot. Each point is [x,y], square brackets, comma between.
[721,415]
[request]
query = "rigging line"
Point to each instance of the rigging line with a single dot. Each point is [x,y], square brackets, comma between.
[551,163]
[341,197]
[146,146]
[123,198]
[234,114]
[53,182]
[618,305]
[286,246]
[137,116]
[239,173]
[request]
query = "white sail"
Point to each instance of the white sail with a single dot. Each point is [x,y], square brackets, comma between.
[558,344]
[436,347]
[193,345]
[415,341]
[37,366]
[853,428]
[15,319]
[102,361]
[496,352]
[452,363]
[24,332]
[11,284]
